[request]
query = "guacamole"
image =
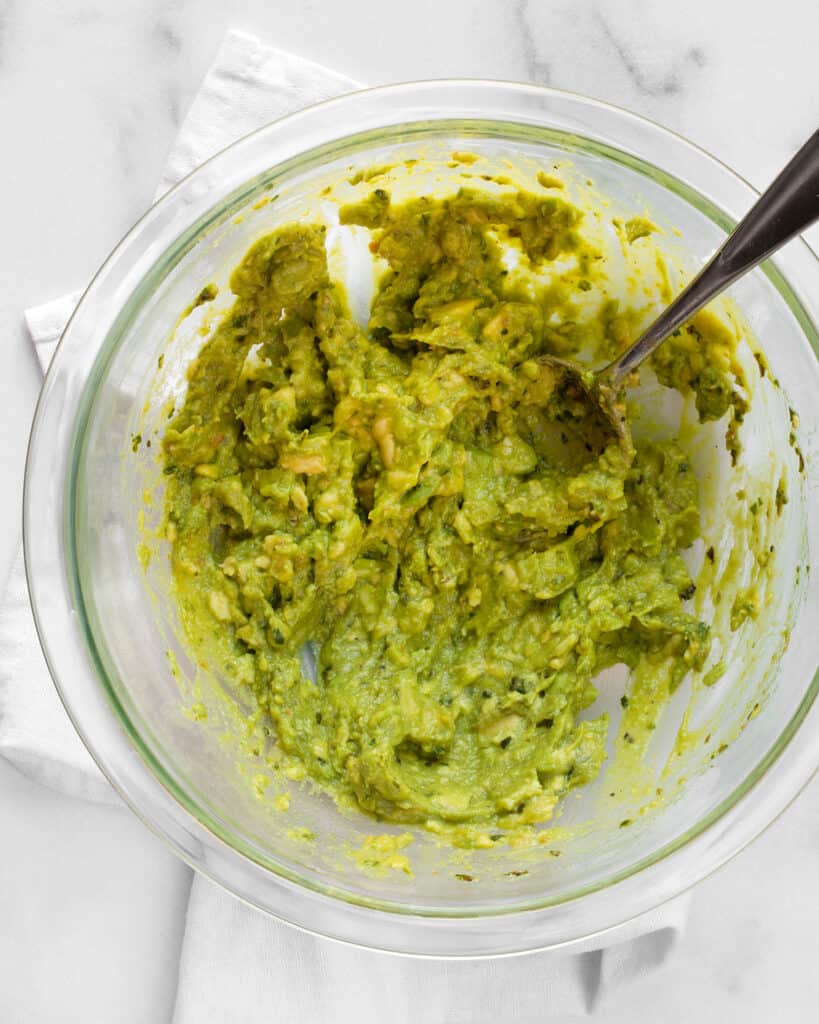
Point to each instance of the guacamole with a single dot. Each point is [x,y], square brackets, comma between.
[413,509]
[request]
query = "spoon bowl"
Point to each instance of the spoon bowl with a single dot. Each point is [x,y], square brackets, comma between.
[789,206]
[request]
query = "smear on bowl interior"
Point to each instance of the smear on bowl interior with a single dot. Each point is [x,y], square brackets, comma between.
[412,550]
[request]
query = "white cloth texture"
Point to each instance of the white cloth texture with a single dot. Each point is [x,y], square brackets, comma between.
[238,964]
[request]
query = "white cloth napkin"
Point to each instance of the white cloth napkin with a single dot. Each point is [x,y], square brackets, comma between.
[238,964]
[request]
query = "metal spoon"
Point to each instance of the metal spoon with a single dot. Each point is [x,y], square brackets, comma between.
[787,207]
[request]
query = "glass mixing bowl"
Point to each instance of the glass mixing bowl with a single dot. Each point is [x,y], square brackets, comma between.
[108,628]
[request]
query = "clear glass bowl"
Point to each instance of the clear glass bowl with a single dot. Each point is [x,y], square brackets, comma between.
[106,626]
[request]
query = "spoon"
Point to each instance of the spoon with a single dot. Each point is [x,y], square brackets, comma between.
[788,206]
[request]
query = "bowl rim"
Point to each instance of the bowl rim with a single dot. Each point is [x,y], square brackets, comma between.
[320,909]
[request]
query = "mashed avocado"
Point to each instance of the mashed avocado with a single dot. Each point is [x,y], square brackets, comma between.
[458,547]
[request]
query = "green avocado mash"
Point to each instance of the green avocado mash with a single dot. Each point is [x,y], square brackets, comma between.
[414,506]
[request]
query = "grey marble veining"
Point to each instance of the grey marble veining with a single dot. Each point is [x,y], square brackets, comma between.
[668,84]
[537,68]
[166,35]
[593,48]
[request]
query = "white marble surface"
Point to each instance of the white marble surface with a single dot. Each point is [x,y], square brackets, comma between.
[91,93]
